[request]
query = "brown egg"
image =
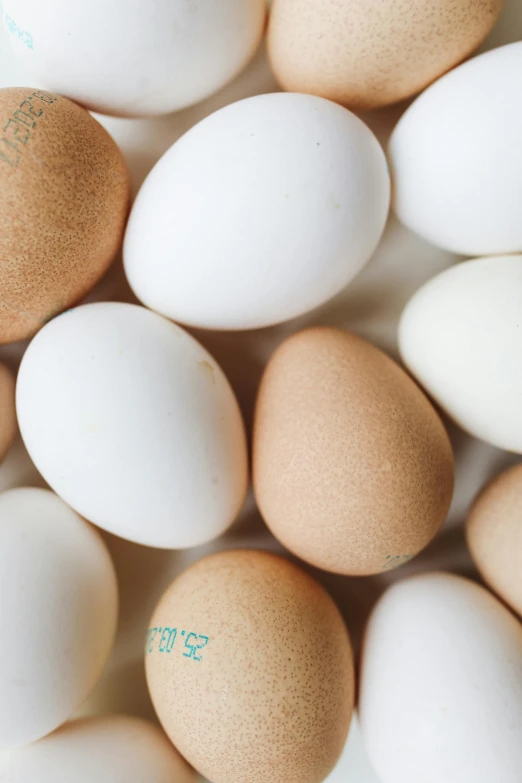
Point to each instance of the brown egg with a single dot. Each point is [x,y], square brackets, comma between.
[7,410]
[353,469]
[370,53]
[64,197]
[494,533]
[250,670]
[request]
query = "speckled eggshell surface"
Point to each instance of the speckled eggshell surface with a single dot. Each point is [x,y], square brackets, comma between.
[353,469]
[7,410]
[102,749]
[369,53]
[494,535]
[64,196]
[250,670]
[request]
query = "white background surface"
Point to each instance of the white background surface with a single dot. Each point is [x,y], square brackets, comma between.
[370,306]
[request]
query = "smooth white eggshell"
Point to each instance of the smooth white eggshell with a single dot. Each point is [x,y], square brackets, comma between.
[441,684]
[134,57]
[460,335]
[58,612]
[456,157]
[103,749]
[261,212]
[134,424]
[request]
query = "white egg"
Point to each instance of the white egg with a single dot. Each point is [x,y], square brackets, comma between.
[461,337]
[134,424]
[103,749]
[441,684]
[456,158]
[261,212]
[134,57]
[58,612]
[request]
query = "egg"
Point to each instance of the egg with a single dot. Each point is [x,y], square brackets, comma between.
[58,612]
[369,53]
[7,410]
[258,651]
[134,425]
[460,335]
[456,158]
[353,470]
[64,195]
[138,58]
[494,535]
[105,749]
[441,684]
[261,212]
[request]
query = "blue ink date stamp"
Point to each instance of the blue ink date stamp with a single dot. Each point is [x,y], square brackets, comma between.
[25,37]
[162,639]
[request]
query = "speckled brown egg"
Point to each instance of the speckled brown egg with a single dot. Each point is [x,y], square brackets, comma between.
[250,670]
[64,197]
[494,534]
[370,53]
[353,469]
[7,410]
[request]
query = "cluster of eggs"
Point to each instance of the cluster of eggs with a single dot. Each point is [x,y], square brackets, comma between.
[260,213]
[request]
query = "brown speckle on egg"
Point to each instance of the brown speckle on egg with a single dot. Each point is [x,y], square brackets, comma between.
[353,469]
[250,670]
[370,53]
[64,197]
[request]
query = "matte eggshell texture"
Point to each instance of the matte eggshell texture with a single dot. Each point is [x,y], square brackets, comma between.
[456,158]
[494,534]
[134,425]
[369,53]
[441,684]
[460,335]
[64,196]
[353,469]
[258,685]
[136,57]
[102,749]
[261,212]
[58,612]
[7,410]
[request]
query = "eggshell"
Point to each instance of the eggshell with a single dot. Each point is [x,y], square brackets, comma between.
[102,749]
[64,195]
[58,612]
[134,425]
[7,410]
[261,212]
[460,335]
[353,469]
[369,53]
[494,534]
[133,57]
[441,684]
[258,651]
[456,158]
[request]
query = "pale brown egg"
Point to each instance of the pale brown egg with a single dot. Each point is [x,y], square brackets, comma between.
[250,670]
[353,469]
[370,53]
[494,534]
[64,198]
[7,410]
